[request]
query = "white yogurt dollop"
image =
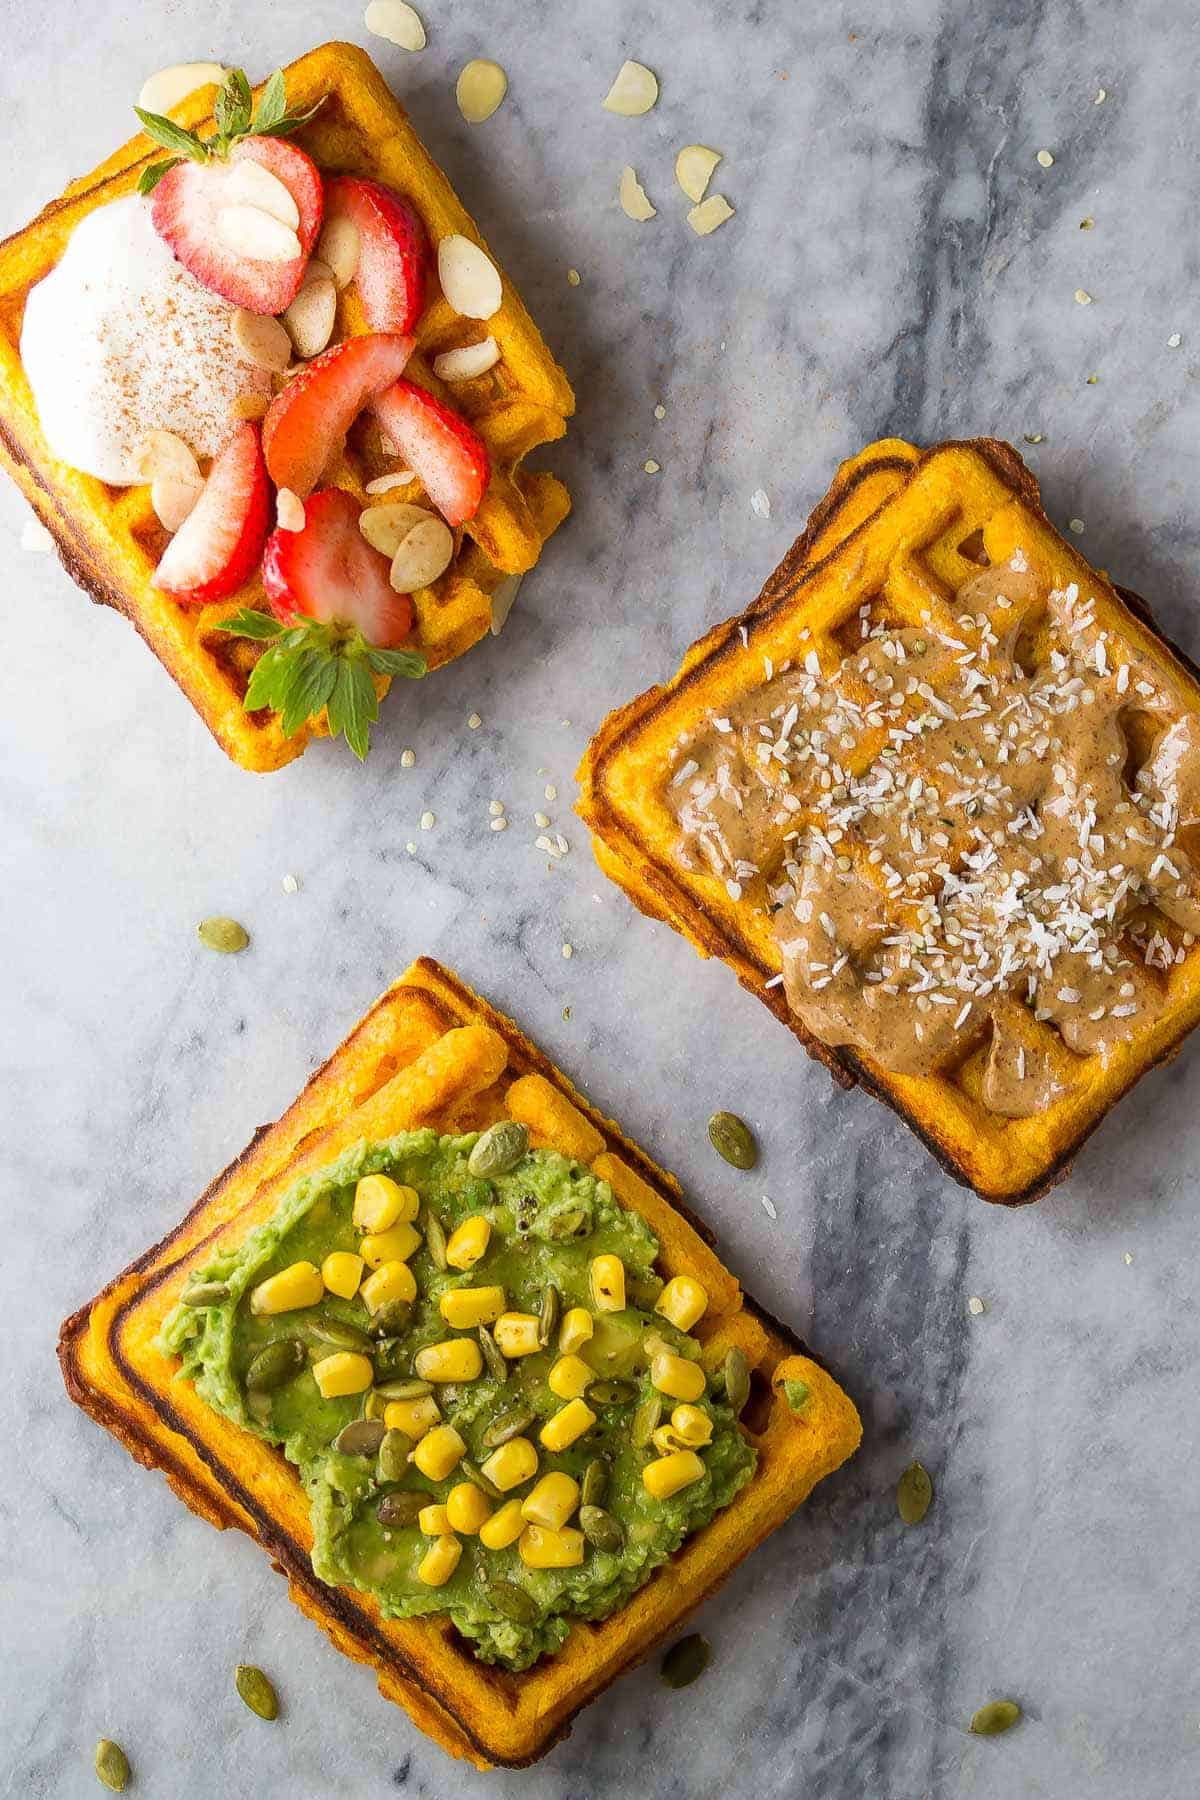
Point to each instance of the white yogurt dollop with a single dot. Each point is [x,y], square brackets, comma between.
[119,339]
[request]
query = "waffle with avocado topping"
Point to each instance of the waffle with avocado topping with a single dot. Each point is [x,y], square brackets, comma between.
[483,1383]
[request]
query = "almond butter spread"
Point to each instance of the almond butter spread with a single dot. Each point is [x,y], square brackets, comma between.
[953,836]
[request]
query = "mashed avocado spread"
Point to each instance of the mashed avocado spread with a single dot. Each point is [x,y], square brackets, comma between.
[542,1224]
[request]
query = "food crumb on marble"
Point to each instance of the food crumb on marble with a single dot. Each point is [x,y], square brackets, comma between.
[428,821]
[474,722]
[975,1305]
[290,884]
[574,277]
[1046,159]
[1128,1256]
[1077,526]
[407,758]
[1174,341]
[660,411]
[651,467]
[568,951]
[769,1207]
[760,503]
[1082,297]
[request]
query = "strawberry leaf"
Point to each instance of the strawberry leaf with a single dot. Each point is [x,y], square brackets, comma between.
[272,106]
[149,178]
[291,121]
[397,662]
[354,705]
[234,105]
[307,668]
[311,677]
[251,624]
[171,136]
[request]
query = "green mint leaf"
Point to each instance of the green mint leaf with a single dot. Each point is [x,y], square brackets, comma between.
[247,622]
[290,122]
[397,662]
[149,178]
[312,675]
[272,107]
[234,105]
[353,705]
[171,136]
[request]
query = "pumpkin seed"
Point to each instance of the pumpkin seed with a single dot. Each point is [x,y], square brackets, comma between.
[549,1313]
[796,1394]
[112,1766]
[512,1601]
[646,1418]
[391,1319]
[612,1393]
[259,1408]
[275,1363]
[498,1149]
[257,1691]
[600,1528]
[361,1438]
[375,1405]
[732,1138]
[202,1293]
[394,1447]
[493,1356]
[222,934]
[571,1222]
[435,1240]
[995,1717]
[737,1381]
[507,1425]
[338,1333]
[643,1290]
[408,1389]
[390,1359]
[594,1484]
[914,1494]
[401,1507]
[685,1661]
[479,1479]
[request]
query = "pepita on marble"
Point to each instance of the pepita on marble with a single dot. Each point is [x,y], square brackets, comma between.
[914,1494]
[685,1661]
[257,1691]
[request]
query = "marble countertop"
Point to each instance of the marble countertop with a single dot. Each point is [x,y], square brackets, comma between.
[900,263]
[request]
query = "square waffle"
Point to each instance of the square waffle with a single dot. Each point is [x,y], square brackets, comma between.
[432,1053]
[109,538]
[896,539]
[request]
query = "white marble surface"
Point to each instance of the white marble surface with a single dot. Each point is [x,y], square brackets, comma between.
[899,263]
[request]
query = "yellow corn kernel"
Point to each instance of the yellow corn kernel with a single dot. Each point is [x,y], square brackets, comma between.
[670,1473]
[576,1329]
[552,1501]
[675,1376]
[434,1520]
[467,1508]
[570,1378]
[503,1528]
[438,1452]
[683,1301]
[345,1372]
[396,1245]
[468,1242]
[464,1308]
[518,1334]
[391,1281]
[569,1422]
[455,1359]
[541,1548]
[439,1561]
[341,1272]
[299,1285]
[691,1426]
[380,1203]
[608,1283]
[413,1417]
[511,1464]
[666,1440]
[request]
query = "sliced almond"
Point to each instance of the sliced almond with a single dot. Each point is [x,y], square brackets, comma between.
[479,90]
[289,510]
[423,555]
[250,406]
[503,595]
[633,92]
[634,201]
[386,527]
[710,213]
[396,21]
[383,484]
[173,499]
[337,248]
[694,169]
[309,319]
[250,184]
[470,279]
[162,453]
[470,360]
[257,235]
[262,340]
[167,87]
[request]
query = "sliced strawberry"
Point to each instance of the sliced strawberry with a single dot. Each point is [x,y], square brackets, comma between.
[431,439]
[185,207]
[219,544]
[393,251]
[318,406]
[328,571]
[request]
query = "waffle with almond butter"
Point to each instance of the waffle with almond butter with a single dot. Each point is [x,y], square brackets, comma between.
[432,1054]
[934,797]
[110,537]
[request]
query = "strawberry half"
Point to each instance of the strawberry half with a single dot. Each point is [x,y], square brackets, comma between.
[317,407]
[218,546]
[329,572]
[189,197]
[393,251]
[431,439]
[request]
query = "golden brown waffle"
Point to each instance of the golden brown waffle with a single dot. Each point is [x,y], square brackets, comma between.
[903,529]
[109,538]
[432,1053]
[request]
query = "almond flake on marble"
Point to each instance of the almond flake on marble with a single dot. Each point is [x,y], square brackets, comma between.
[474,722]
[479,90]
[634,91]
[503,596]
[499,823]
[705,218]
[397,23]
[694,170]
[769,1207]
[634,201]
